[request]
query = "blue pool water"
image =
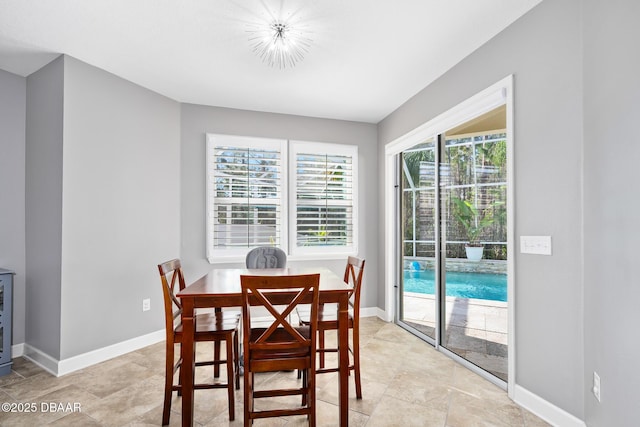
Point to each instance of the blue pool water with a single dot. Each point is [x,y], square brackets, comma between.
[464,285]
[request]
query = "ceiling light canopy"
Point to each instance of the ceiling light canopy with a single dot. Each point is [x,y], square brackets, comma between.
[279,43]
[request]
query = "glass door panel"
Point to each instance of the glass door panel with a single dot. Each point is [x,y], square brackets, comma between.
[473,242]
[417,303]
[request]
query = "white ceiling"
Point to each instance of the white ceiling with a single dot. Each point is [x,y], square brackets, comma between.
[367,58]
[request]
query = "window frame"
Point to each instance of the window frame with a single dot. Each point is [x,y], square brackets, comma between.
[288,199]
[321,148]
[213,140]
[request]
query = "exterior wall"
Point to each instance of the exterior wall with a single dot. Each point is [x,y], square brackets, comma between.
[543,52]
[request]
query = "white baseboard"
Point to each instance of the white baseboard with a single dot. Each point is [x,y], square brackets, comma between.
[17,350]
[545,410]
[41,359]
[383,315]
[369,312]
[375,312]
[62,367]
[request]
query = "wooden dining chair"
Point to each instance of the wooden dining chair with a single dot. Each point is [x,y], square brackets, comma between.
[215,327]
[328,320]
[279,346]
[263,257]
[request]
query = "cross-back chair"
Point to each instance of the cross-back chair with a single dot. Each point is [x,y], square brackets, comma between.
[328,320]
[216,327]
[279,346]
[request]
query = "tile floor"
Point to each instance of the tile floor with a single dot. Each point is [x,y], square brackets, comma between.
[405,383]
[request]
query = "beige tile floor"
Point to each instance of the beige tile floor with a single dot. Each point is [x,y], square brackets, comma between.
[405,383]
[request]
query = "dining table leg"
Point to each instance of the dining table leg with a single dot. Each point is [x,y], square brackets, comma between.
[188,361]
[343,351]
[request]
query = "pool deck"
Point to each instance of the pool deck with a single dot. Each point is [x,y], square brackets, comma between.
[474,329]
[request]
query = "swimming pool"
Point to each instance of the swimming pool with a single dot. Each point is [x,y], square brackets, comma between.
[464,285]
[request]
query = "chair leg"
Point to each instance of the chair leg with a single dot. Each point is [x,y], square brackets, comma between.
[180,369]
[168,385]
[236,360]
[248,390]
[321,346]
[311,404]
[216,358]
[305,383]
[230,375]
[356,361]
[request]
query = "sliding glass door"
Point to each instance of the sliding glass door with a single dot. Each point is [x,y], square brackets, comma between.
[453,219]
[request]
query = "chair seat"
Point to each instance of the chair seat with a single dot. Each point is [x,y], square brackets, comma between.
[327,318]
[279,336]
[211,323]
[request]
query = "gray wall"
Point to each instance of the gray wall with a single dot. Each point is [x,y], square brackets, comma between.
[43,211]
[543,52]
[611,204]
[198,120]
[102,207]
[120,207]
[13,96]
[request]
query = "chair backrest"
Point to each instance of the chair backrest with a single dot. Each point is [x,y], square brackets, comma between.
[266,257]
[353,276]
[267,291]
[170,276]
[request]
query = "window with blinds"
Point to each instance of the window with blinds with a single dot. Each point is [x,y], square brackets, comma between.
[248,180]
[323,184]
[245,196]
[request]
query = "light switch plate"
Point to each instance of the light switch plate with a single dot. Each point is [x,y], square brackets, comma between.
[539,245]
[596,385]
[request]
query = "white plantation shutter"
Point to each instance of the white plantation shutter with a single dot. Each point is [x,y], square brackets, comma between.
[299,196]
[323,181]
[245,182]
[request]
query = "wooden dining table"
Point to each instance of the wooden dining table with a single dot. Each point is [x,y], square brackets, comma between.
[220,288]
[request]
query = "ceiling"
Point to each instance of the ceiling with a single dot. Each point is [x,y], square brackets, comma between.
[366,59]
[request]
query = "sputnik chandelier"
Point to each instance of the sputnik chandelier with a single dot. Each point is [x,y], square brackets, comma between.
[279,43]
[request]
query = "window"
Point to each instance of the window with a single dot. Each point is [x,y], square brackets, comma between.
[322,181]
[244,194]
[248,180]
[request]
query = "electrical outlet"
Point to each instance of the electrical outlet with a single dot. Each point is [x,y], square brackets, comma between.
[596,385]
[146,304]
